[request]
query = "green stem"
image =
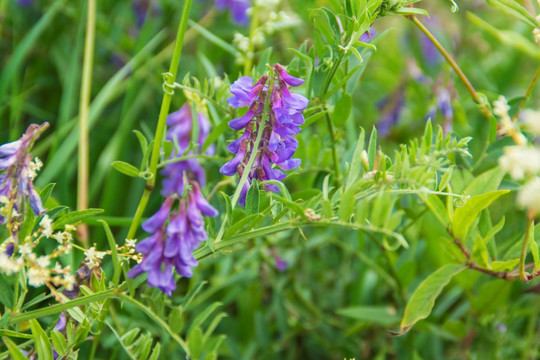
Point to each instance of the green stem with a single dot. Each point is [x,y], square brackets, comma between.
[84,111]
[164,111]
[55,309]
[332,134]
[329,123]
[455,66]
[253,155]
[524,247]
[528,94]
[272,229]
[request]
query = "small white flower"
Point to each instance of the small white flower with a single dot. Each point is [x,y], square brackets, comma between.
[25,249]
[531,121]
[536,35]
[528,196]
[46,225]
[37,276]
[130,243]
[7,266]
[501,107]
[93,257]
[69,280]
[69,228]
[241,41]
[62,237]
[43,261]
[520,160]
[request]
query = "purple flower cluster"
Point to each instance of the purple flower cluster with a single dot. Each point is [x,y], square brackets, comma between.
[18,171]
[238,9]
[176,230]
[277,143]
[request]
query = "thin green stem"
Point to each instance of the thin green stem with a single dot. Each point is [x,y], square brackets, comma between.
[84,113]
[164,111]
[329,123]
[527,94]
[524,247]
[253,156]
[455,66]
[332,134]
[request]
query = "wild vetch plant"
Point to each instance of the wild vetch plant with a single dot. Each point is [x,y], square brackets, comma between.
[269,179]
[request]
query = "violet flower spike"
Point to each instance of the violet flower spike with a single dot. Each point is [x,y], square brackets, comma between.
[17,173]
[238,9]
[176,231]
[277,144]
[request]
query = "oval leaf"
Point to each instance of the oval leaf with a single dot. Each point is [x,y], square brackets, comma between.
[422,300]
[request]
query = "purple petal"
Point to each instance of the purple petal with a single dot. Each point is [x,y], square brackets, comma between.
[158,219]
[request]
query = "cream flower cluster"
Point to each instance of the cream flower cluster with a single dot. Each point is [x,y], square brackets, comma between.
[522,160]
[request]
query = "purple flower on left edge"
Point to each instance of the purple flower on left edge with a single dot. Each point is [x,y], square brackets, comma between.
[17,173]
[177,228]
[238,9]
[278,143]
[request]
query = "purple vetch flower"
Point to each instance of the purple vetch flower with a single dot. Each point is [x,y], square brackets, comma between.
[277,144]
[238,9]
[180,130]
[176,233]
[17,173]
[391,108]
[281,264]
[143,7]
[368,35]
[25,2]
[442,101]
[177,230]
[9,249]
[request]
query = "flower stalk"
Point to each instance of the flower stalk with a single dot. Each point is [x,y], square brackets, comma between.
[84,114]
[162,120]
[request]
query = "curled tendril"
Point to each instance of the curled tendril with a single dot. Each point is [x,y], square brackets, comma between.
[167,87]
[459,201]
[455,7]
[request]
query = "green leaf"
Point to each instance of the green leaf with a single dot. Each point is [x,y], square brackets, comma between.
[465,215]
[342,110]
[485,182]
[155,352]
[378,315]
[506,265]
[126,169]
[356,164]
[142,140]
[297,209]
[311,119]
[76,216]
[410,11]
[508,37]
[372,148]
[195,342]
[41,341]
[213,38]
[46,192]
[59,342]
[176,322]
[514,9]
[114,253]
[534,247]
[252,199]
[6,294]
[423,299]
[14,351]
